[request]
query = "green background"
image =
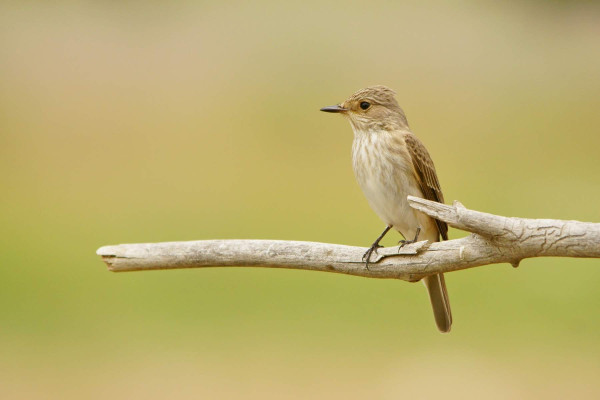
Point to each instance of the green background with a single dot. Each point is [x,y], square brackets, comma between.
[146,121]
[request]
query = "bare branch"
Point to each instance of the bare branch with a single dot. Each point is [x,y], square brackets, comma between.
[495,239]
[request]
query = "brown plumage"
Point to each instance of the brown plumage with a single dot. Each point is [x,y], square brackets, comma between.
[427,177]
[391,163]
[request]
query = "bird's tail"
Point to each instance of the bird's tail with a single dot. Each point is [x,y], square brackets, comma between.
[436,287]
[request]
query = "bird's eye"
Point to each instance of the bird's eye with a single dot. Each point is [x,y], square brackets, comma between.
[365,104]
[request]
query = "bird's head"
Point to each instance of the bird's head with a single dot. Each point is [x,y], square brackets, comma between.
[371,109]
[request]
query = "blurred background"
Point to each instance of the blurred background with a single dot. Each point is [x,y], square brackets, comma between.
[127,122]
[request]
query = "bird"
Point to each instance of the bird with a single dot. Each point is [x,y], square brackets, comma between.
[391,163]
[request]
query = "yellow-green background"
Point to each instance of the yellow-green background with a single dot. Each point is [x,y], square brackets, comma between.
[160,121]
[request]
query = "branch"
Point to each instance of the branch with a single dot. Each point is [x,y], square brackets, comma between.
[495,239]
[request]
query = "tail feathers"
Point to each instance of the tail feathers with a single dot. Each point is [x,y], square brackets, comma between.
[436,287]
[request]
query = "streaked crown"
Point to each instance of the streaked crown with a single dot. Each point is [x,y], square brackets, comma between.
[378,94]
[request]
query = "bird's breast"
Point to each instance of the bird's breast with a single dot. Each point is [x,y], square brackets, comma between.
[384,171]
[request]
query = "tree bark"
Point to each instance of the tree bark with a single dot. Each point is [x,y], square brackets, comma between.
[494,239]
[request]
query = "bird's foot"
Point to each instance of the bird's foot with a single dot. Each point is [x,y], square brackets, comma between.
[403,243]
[367,256]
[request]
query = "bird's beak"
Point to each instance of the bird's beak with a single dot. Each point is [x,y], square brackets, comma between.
[334,109]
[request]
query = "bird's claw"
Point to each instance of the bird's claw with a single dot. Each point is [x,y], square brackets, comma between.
[403,243]
[367,256]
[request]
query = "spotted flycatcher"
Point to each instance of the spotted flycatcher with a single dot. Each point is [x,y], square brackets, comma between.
[391,163]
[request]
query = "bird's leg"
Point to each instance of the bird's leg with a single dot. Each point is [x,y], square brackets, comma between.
[366,257]
[405,242]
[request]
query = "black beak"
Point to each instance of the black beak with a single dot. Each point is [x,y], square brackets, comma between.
[334,109]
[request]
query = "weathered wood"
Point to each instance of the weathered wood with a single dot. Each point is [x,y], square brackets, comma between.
[495,239]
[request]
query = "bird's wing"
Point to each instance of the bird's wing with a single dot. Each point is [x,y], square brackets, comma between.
[426,176]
